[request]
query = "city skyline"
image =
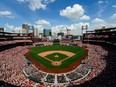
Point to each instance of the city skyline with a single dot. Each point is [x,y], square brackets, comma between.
[54,14]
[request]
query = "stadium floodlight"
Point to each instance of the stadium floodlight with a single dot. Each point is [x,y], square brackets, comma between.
[84,27]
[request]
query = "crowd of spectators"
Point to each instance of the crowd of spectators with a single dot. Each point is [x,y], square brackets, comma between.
[32,71]
[61,78]
[71,43]
[96,36]
[97,53]
[50,78]
[12,65]
[79,73]
[102,59]
[43,43]
[14,41]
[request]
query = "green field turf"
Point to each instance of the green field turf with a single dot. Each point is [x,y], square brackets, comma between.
[77,50]
[60,56]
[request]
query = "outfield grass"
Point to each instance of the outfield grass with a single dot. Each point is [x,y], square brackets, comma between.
[77,50]
[40,49]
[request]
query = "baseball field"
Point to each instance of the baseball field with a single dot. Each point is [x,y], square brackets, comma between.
[56,56]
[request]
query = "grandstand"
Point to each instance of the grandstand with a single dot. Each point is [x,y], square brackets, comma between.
[106,35]
[96,69]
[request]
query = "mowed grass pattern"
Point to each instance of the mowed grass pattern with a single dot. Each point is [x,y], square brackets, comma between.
[77,50]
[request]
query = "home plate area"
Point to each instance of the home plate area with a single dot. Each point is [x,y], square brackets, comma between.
[56,63]
[56,57]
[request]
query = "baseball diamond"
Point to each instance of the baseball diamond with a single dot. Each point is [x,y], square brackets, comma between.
[57,58]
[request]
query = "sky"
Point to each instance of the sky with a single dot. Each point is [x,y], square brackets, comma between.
[57,14]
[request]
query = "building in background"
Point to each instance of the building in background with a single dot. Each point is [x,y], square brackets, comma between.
[60,34]
[40,34]
[36,32]
[68,31]
[26,27]
[1,29]
[47,32]
[22,32]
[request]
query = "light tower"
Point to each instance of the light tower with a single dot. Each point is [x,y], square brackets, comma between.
[84,27]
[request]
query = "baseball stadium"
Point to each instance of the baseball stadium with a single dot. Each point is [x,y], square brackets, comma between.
[69,62]
[57,43]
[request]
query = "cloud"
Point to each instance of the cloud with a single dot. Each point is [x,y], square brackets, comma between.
[98,26]
[11,28]
[12,17]
[100,2]
[72,12]
[98,20]
[57,28]
[101,6]
[5,13]
[21,1]
[43,23]
[100,12]
[75,28]
[48,1]
[18,30]
[8,27]
[39,27]
[112,24]
[85,17]
[99,23]
[113,16]
[114,6]
[36,4]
